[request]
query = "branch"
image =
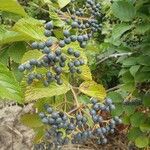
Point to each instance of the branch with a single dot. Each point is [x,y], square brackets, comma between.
[114,88]
[114,56]
[75,96]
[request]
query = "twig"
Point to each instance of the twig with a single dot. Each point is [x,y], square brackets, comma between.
[75,97]
[114,88]
[67,16]
[65,97]
[73,110]
[113,56]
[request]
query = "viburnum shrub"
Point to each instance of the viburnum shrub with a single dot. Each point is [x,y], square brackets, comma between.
[73,126]
[57,61]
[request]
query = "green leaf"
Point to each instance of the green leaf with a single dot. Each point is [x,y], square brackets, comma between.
[31,120]
[127,77]
[83,99]
[142,76]
[7,36]
[12,16]
[12,6]
[18,75]
[116,97]
[31,54]
[118,111]
[129,110]
[130,61]
[123,71]
[41,102]
[134,133]
[143,28]
[31,28]
[4,56]
[126,119]
[137,119]
[142,141]
[16,51]
[54,16]
[89,119]
[93,89]
[145,127]
[123,10]
[134,69]
[9,87]
[38,91]
[144,60]
[63,3]
[119,29]
[128,86]
[145,69]
[146,100]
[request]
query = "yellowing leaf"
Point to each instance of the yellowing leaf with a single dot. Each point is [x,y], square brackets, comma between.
[93,89]
[86,73]
[39,134]
[37,90]
[31,120]
[63,3]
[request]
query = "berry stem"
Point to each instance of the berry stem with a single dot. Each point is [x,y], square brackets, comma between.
[75,97]
[65,106]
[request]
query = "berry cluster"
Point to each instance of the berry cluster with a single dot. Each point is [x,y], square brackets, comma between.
[94,8]
[53,61]
[64,128]
[58,122]
[85,21]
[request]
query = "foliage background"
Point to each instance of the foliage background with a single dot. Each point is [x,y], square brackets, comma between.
[118,58]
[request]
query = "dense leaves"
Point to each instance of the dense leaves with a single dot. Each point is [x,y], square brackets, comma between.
[116,34]
[9,87]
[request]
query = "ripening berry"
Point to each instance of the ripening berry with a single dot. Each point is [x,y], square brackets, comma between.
[21,68]
[49,26]
[62,43]
[34,45]
[58,52]
[80,38]
[74,24]
[66,33]
[67,40]
[47,33]
[70,51]
[73,38]
[46,50]
[79,71]
[76,63]
[77,54]
[41,45]
[49,43]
